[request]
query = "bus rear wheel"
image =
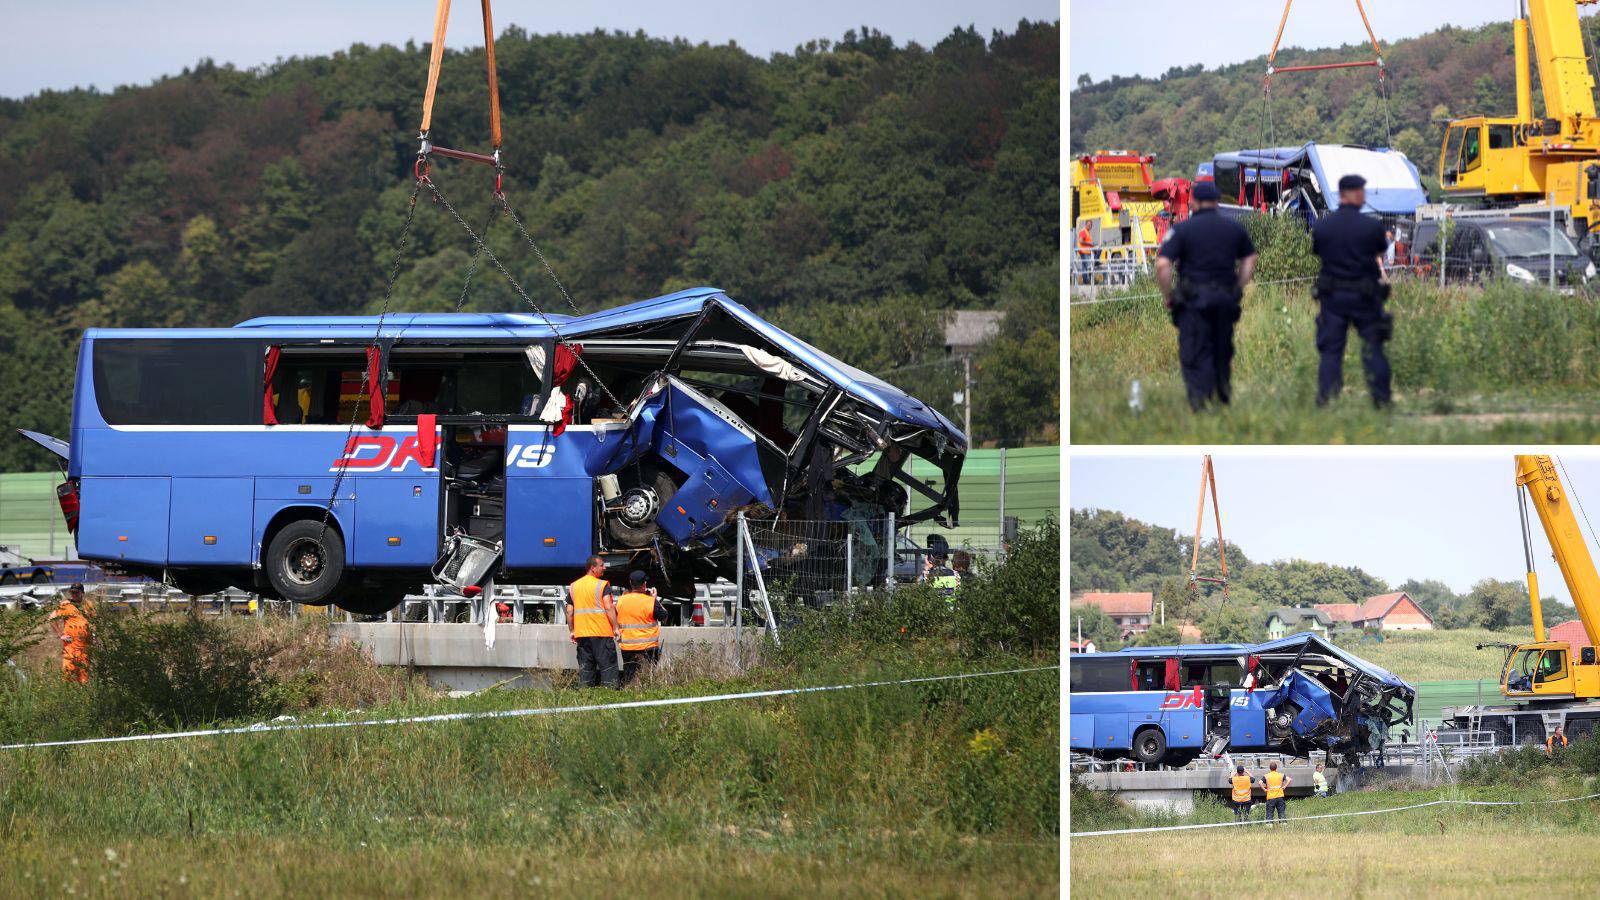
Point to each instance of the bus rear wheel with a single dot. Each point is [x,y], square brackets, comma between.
[305,562]
[1149,746]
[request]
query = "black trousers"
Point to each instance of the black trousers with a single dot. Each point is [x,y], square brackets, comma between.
[597,662]
[1205,348]
[1241,809]
[1341,311]
[634,660]
[1278,807]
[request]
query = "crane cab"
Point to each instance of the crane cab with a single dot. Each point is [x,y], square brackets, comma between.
[1548,670]
[1488,157]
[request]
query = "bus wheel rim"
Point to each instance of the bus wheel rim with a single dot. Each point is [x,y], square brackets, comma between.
[304,563]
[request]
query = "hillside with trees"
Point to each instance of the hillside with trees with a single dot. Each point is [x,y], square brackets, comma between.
[1112,552]
[854,191]
[1189,114]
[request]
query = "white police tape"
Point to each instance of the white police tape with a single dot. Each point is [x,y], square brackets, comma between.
[1343,815]
[263,727]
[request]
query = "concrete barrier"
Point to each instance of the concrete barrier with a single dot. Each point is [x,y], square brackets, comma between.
[453,655]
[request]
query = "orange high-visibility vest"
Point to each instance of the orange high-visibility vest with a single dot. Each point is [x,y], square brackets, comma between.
[1241,788]
[588,615]
[636,617]
[1550,742]
[1274,785]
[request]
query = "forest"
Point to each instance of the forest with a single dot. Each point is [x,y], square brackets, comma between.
[854,191]
[1112,552]
[1190,113]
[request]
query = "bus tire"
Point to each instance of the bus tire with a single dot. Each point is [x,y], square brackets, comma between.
[305,562]
[39,578]
[1149,746]
[8,578]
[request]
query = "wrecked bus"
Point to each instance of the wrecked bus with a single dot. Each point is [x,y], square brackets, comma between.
[209,457]
[1303,180]
[1169,705]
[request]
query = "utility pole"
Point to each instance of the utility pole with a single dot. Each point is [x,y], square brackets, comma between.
[966,396]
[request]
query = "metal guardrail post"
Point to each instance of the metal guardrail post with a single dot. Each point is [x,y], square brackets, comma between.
[738,589]
[893,554]
[849,562]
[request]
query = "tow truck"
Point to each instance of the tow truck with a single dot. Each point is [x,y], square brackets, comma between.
[1546,684]
[1125,209]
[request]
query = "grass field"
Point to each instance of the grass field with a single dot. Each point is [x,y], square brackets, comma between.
[1471,365]
[1436,852]
[937,789]
[1439,655]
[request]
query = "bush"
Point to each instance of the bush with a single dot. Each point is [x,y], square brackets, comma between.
[1015,605]
[149,671]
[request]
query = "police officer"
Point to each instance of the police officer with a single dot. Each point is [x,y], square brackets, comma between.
[1215,260]
[1352,292]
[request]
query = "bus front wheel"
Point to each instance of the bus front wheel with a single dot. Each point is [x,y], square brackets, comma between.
[1149,746]
[305,562]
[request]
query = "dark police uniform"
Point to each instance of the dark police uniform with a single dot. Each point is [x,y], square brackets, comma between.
[1351,294]
[1206,249]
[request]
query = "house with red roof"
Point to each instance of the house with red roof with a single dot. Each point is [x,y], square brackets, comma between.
[1572,632]
[1130,610]
[1385,612]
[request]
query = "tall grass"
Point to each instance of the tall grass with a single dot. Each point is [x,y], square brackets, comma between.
[939,789]
[1494,363]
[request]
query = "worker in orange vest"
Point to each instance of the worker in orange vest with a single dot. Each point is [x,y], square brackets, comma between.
[1085,244]
[1241,795]
[592,625]
[1274,782]
[69,623]
[639,615]
[1550,742]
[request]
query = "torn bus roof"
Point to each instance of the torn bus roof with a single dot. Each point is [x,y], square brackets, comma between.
[660,321]
[1310,643]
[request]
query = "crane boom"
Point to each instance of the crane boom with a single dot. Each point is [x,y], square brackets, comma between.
[1537,475]
[1563,65]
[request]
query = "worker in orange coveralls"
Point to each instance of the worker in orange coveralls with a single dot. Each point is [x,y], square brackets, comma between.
[69,623]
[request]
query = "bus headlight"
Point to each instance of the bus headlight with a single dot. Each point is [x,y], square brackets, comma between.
[1518,272]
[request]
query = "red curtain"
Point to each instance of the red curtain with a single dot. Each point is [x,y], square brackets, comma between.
[377,388]
[428,437]
[269,416]
[1133,673]
[1172,674]
[1250,665]
[565,362]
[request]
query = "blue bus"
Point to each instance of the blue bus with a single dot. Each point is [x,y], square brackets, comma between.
[257,456]
[1303,180]
[1168,705]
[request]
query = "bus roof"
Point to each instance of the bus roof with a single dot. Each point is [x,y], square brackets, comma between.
[533,327]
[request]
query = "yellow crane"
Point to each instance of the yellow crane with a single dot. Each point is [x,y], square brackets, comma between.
[1554,158]
[1547,683]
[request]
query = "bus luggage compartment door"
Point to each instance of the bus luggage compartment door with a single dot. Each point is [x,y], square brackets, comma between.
[397,519]
[210,522]
[124,519]
[549,520]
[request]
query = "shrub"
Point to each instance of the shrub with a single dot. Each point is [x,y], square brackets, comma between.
[1015,605]
[149,671]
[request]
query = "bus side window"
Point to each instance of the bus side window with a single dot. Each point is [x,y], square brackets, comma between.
[319,388]
[1152,674]
[1195,673]
[1097,676]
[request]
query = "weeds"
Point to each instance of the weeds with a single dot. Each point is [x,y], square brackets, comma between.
[1471,364]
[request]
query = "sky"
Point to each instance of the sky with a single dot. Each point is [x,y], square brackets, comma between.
[104,43]
[1114,37]
[1451,518]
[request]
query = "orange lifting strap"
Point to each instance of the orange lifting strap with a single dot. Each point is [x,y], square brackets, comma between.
[1208,479]
[440,21]
[1377,55]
